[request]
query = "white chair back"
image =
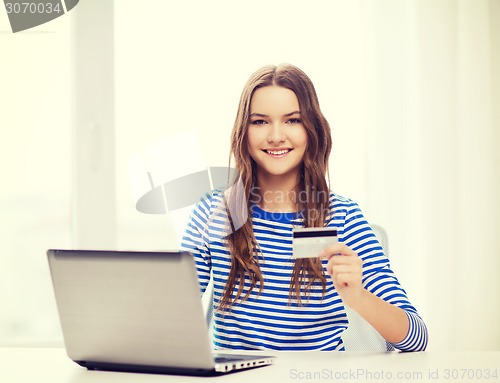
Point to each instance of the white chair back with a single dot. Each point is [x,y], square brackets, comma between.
[360,335]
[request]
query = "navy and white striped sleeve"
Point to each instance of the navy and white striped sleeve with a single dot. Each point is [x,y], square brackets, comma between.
[379,279]
[195,240]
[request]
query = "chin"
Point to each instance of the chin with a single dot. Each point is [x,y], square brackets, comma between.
[281,172]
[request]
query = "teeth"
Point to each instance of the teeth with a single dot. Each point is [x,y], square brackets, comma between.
[278,152]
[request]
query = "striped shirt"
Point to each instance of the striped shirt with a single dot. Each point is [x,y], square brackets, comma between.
[271,320]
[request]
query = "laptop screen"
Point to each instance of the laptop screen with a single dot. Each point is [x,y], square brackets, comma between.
[131,307]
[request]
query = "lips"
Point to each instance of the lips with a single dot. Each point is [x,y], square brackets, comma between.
[280,152]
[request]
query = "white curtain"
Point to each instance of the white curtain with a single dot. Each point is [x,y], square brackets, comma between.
[432,129]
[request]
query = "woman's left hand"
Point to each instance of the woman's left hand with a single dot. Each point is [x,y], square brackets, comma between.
[345,268]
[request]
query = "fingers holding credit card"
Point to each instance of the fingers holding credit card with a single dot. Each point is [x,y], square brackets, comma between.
[344,264]
[346,268]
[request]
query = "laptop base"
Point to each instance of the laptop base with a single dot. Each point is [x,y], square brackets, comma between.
[162,370]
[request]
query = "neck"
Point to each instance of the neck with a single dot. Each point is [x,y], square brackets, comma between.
[276,192]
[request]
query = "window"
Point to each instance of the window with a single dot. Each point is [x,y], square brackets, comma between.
[34,176]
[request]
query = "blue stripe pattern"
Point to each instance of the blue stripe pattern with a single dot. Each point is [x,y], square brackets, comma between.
[270,320]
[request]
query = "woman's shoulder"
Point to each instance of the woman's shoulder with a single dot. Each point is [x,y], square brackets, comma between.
[210,200]
[343,208]
[337,200]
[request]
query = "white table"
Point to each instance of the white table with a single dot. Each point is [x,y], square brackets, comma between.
[40,365]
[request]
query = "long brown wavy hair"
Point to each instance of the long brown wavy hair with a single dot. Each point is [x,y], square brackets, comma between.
[312,184]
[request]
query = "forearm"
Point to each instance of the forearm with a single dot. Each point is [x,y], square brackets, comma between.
[389,320]
[377,297]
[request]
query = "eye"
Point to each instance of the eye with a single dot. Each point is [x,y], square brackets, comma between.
[294,121]
[258,122]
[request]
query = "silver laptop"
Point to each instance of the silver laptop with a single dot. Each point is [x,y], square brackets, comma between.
[136,312]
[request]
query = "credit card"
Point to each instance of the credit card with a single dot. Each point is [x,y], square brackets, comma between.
[308,242]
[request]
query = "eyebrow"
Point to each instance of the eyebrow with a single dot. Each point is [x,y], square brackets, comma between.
[265,115]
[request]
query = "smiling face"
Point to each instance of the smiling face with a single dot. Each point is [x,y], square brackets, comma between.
[277,139]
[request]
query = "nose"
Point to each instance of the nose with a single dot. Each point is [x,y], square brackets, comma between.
[276,133]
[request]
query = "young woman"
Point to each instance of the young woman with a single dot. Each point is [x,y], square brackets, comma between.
[263,298]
